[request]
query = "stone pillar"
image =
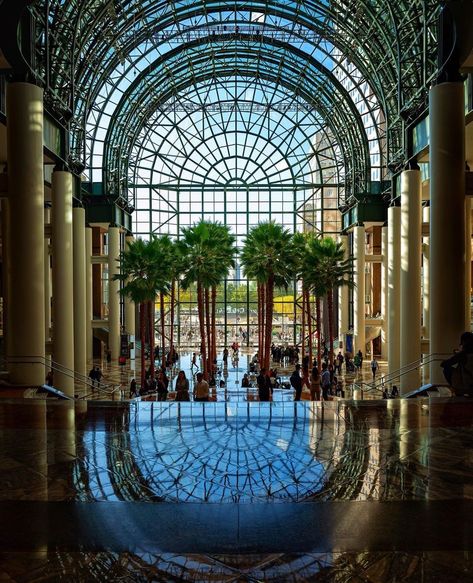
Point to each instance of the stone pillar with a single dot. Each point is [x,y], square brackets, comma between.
[88,294]
[47,278]
[359,291]
[425,277]
[447,221]
[26,200]
[80,284]
[6,275]
[113,295]
[384,293]
[394,289]
[468,264]
[63,295]
[411,237]
[343,300]
[130,315]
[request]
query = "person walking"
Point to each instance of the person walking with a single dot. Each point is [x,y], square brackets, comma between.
[133,388]
[374,367]
[296,383]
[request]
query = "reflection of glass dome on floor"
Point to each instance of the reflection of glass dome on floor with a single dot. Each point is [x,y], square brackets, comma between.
[214,453]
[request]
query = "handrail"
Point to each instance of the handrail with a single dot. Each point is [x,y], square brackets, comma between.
[380,385]
[55,366]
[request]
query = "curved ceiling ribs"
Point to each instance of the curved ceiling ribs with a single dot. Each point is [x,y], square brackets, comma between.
[317,87]
[387,44]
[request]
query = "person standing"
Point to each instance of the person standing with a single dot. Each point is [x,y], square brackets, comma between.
[201,389]
[264,385]
[325,381]
[374,367]
[315,384]
[182,387]
[162,387]
[296,383]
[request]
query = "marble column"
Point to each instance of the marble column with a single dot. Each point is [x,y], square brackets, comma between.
[6,273]
[63,294]
[80,284]
[411,237]
[343,300]
[130,315]
[113,292]
[447,221]
[26,344]
[47,278]
[394,289]
[359,291]
[425,277]
[88,293]
[468,264]
[384,293]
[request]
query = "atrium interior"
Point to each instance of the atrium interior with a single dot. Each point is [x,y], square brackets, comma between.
[185,184]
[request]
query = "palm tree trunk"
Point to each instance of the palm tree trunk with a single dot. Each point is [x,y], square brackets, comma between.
[309,326]
[208,327]
[171,326]
[330,323]
[318,323]
[269,318]
[263,325]
[260,321]
[163,330]
[143,342]
[214,324]
[151,336]
[200,307]
[303,322]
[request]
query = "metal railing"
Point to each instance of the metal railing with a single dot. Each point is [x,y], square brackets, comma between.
[87,387]
[387,380]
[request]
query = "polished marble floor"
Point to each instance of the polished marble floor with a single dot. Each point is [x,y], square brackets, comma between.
[372,491]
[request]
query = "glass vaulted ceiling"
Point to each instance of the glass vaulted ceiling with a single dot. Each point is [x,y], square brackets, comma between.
[356,68]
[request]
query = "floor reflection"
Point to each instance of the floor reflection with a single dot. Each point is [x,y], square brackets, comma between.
[232,454]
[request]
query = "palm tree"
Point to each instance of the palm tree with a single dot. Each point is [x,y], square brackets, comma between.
[162,259]
[224,246]
[269,258]
[335,272]
[208,251]
[314,280]
[139,274]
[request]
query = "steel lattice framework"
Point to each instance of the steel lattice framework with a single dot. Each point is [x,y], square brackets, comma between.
[240,111]
[390,48]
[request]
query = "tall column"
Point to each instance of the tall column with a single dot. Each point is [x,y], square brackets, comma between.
[26,197]
[6,274]
[425,277]
[343,299]
[130,315]
[80,312]
[63,298]
[447,221]
[113,289]
[411,237]
[468,264]
[88,293]
[394,288]
[47,279]
[384,294]
[359,292]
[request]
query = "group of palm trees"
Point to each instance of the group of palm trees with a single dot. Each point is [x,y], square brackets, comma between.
[203,256]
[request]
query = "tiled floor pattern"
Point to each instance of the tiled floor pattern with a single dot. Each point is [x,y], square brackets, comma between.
[243,454]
